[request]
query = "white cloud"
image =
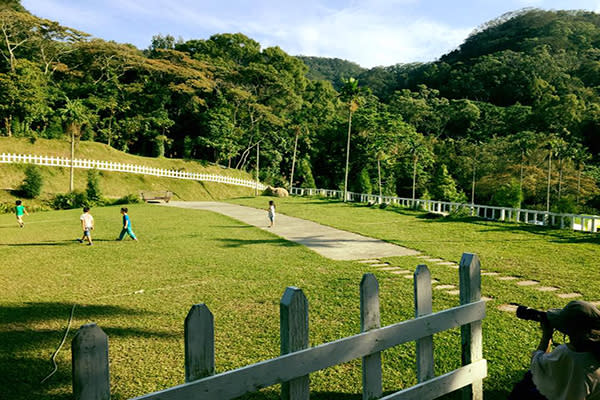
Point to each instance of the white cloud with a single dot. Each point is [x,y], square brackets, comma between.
[370,32]
[368,38]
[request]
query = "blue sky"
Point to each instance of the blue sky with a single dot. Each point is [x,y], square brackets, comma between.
[369,32]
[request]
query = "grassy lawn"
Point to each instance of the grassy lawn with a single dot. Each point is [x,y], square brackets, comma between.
[99,151]
[113,184]
[188,256]
[555,257]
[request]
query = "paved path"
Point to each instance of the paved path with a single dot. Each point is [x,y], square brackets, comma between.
[329,242]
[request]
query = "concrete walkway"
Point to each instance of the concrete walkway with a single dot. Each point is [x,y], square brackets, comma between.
[328,242]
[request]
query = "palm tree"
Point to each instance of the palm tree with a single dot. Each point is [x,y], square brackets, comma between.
[74,115]
[350,93]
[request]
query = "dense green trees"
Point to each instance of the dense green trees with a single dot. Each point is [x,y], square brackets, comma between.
[473,126]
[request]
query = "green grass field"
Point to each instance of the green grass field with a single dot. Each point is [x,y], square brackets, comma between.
[187,256]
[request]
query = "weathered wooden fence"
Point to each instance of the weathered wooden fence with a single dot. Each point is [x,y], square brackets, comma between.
[129,168]
[297,361]
[578,222]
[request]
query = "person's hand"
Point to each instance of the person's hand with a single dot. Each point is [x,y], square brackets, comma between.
[546,338]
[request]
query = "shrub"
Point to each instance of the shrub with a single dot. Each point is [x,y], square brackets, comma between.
[363,185]
[188,147]
[7,208]
[33,182]
[565,205]
[93,186]
[444,187]
[507,195]
[464,211]
[305,173]
[128,199]
[68,201]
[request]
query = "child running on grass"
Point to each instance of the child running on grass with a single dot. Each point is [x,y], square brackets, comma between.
[271,213]
[87,224]
[20,211]
[126,225]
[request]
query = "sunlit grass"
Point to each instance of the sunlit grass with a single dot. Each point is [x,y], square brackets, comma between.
[186,257]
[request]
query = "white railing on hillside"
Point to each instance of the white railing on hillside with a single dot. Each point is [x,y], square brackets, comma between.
[129,168]
[90,353]
[578,222]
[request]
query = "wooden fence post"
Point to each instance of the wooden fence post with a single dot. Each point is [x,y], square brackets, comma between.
[199,332]
[423,306]
[89,355]
[369,319]
[293,317]
[471,334]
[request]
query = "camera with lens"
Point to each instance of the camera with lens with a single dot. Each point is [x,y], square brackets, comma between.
[531,314]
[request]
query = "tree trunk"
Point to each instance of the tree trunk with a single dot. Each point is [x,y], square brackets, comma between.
[473,185]
[347,156]
[560,173]
[521,180]
[548,190]
[110,127]
[8,125]
[578,184]
[257,167]
[414,185]
[72,157]
[294,159]
[379,177]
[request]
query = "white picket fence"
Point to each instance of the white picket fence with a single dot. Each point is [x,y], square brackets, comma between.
[129,168]
[577,222]
[90,357]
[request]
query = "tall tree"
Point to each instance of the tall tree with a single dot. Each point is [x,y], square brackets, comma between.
[74,114]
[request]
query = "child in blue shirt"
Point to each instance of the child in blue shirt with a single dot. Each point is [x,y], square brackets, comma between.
[126,225]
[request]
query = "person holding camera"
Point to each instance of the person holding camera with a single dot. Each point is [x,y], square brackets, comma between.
[571,371]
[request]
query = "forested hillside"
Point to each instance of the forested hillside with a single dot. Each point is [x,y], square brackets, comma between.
[331,69]
[507,118]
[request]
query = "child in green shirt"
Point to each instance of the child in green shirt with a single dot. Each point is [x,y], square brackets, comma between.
[20,211]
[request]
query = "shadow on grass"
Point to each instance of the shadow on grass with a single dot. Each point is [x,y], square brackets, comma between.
[53,243]
[228,242]
[232,226]
[43,243]
[557,235]
[27,343]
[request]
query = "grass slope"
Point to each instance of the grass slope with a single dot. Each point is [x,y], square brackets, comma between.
[189,256]
[113,184]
